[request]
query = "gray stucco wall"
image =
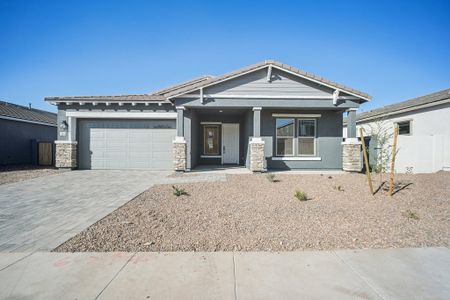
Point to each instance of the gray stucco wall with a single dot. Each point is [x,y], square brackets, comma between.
[329,138]
[16,141]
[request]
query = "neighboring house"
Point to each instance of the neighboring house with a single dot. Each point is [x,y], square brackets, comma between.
[268,115]
[21,129]
[424,131]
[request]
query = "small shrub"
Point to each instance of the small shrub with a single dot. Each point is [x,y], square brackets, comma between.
[300,195]
[270,177]
[411,215]
[179,191]
[330,177]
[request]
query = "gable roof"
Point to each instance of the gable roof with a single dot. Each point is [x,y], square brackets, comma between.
[261,65]
[23,113]
[411,104]
[166,94]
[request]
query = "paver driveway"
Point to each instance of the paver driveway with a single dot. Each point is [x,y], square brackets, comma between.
[41,213]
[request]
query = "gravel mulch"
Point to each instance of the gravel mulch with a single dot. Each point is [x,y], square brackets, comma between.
[249,213]
[12,174]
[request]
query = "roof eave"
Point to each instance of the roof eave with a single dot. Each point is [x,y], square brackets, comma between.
[266,64]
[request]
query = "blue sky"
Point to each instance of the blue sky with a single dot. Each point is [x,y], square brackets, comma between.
[393,50]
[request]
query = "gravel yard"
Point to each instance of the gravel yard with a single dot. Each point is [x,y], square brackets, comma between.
[12,174]
[250,213]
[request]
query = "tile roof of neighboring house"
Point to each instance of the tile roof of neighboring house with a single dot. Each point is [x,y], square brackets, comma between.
[19,112]
[197,83]
[408,104]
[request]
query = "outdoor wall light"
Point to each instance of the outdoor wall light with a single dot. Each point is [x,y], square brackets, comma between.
[64,126]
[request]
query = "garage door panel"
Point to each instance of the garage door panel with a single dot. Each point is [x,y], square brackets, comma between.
[118,133]
[126,144]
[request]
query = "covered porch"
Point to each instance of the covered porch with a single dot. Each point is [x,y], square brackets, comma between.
[260,139]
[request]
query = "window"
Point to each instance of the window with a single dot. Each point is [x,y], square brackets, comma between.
[285,137]
[300,142]
[404,127]
[306,137]
[211,140]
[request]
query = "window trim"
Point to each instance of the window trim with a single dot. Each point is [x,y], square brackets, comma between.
[215,155]
[284,137]
[410,121]
[300,137]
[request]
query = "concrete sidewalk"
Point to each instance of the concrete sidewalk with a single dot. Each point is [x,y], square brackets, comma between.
[422,273]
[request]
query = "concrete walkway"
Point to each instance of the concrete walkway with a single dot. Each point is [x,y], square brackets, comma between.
[422,273]
[41,213]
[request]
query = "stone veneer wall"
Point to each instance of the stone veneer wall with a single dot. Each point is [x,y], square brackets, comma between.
[66,155]
[351,157]
[257,156]
[179,156]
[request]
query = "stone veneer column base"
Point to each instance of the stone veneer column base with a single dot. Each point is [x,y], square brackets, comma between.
[179,154]
[66,154]
[257,158]
[351,156]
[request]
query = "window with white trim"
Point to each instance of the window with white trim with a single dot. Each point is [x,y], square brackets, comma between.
[306,137]
[292,140]
[285,136]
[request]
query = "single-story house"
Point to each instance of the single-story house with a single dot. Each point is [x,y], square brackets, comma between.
[26,135]
[423,131]
[264,116]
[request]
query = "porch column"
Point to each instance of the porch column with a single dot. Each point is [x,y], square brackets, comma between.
[66,148]
[179,144]
[257,157]
[180,121]
[351,123]
[256,121]
[351,151]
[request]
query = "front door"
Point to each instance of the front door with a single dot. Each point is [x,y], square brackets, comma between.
[230,143]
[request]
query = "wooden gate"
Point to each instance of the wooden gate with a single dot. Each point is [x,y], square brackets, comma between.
[45,154]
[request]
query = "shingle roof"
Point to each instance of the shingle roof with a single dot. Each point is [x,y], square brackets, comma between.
[408,104]
[15,111]
[311,76]
[194,84]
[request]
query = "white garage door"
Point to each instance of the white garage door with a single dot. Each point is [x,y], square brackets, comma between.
[126,144]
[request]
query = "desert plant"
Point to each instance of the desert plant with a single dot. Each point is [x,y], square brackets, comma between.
[381,134]
[179,191]
[411,215]
[300,195]
[270,177]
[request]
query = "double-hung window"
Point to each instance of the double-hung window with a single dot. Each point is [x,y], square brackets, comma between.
[306,137]
[285,137]
[295,137]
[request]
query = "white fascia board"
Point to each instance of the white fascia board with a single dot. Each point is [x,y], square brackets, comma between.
[27,121]
[296,115]
[121,115]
